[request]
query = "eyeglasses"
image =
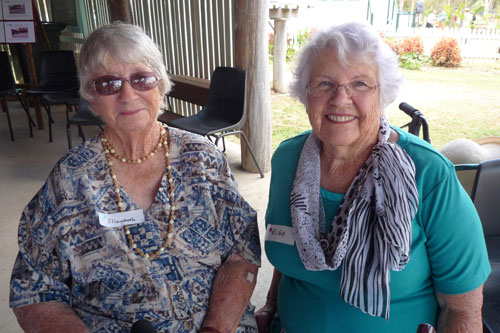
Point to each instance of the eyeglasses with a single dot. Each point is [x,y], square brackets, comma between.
[325,88]
[112,84]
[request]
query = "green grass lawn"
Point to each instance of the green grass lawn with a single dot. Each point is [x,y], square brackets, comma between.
[457,103]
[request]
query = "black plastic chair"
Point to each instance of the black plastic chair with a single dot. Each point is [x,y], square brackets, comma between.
[491,300]
[82,117]
[58,74]
[485,194]
[69,98]
[417,121]
[8,87]
[225,111]
[466,173]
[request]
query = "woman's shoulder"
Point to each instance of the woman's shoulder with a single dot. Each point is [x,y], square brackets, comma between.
[422,153]
[194,152]
[190,142]
[291,147]
[81,156]
[432,168]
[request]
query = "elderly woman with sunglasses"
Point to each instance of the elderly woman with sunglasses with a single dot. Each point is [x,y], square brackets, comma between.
[367,226]
[142,224]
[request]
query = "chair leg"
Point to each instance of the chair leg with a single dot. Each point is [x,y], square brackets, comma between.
[251,153]
[80,132]
[26,109]
[68,135]
[6,109]
[223,145]
[51,120]
[248,146]
[217,138]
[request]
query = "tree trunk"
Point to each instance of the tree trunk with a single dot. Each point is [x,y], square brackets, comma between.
[250,19]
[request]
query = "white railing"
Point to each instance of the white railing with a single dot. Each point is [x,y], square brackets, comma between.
[473,43]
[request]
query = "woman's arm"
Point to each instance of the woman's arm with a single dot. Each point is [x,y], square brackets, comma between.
[460,313]
[49,317]
[265,314]
[231,292]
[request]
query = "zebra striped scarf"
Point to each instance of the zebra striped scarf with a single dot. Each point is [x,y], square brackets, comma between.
[371,233]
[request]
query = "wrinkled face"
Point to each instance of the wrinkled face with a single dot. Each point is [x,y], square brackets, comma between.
[337,118]
[129,110]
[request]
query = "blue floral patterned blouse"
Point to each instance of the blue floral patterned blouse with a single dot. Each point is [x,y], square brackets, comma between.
[65,255]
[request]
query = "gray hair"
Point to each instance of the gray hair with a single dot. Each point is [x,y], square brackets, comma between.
[353,43]
[125,44]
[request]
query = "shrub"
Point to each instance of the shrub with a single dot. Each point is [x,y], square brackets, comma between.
[412,60]
[410,51]
[412,45]
[446,53]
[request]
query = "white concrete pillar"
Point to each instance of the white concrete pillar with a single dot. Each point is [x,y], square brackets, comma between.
[279,56]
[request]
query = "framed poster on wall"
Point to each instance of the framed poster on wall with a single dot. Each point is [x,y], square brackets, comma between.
[17,21]
[17,10]
[19,31]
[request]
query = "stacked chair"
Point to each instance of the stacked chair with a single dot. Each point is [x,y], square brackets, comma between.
[57,83]
[8,87]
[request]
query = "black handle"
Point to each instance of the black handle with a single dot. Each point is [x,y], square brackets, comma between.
[418,116]
[410,110]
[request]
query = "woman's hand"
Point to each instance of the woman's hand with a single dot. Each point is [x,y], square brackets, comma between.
[264,317]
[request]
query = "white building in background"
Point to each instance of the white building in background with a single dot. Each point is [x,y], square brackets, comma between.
[313,14]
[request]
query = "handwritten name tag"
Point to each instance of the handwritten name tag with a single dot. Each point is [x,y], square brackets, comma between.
[280,234]
[118,220]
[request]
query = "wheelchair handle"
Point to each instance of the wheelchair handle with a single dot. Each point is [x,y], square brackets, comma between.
[415,114]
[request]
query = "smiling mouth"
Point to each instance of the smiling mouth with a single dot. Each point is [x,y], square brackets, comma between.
[340,119]
[130,112]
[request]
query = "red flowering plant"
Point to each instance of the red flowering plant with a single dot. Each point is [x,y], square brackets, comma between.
[410,51]
[446,53]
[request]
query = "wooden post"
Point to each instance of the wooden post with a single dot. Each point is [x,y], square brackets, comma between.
[34,82]
[119,10]
[250,44]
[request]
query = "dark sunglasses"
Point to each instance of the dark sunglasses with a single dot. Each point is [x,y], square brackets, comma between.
[112,84]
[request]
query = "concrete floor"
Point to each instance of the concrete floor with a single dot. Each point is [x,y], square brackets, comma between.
[25,164]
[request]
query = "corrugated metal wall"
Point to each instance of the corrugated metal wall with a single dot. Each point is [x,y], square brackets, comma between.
[195,36]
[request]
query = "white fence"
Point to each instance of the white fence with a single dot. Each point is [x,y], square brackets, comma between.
[474,43]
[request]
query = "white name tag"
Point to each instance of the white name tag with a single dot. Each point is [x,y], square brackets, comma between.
[117,220]
[280,234]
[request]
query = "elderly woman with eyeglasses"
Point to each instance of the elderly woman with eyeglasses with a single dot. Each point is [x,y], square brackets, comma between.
[367,226]
[142,225]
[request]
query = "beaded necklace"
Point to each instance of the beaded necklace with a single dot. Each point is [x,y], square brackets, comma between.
[110,151]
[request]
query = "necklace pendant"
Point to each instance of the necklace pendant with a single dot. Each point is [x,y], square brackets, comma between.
[324,244]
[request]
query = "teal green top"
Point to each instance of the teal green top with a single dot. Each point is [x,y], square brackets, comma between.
[448,252]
